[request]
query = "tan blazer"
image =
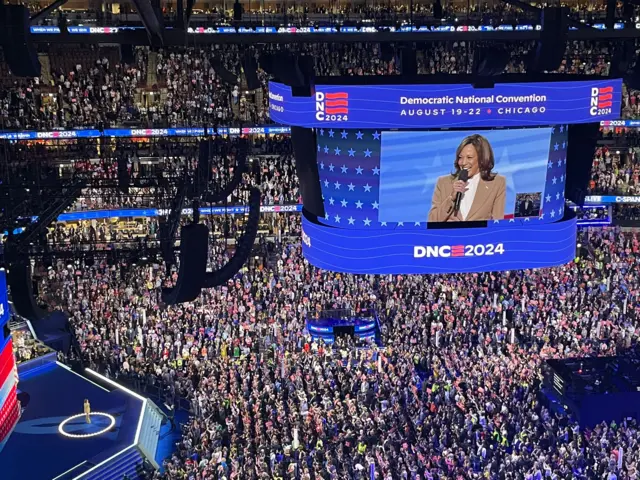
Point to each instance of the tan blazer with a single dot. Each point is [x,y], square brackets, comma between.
[488,204]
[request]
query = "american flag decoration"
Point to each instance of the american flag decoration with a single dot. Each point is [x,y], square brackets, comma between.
[349,167]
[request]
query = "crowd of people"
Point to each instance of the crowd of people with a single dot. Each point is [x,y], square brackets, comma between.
[453,387]
[304,14]
[94,86]
[453,390]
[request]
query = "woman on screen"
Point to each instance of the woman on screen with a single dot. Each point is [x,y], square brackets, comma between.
[482,195]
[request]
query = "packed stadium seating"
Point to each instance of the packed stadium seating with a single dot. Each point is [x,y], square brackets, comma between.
[453,390]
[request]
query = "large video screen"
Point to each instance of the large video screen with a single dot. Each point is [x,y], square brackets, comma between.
[373,178]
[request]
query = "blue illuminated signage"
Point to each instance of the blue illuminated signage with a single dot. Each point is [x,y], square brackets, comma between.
[417,251]
[437,106]
[4,299]
[144,132]
[606,199]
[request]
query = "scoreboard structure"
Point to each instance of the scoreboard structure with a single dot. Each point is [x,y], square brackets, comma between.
[9,405]
[378,162]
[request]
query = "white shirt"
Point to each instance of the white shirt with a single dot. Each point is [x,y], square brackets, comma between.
[469,195]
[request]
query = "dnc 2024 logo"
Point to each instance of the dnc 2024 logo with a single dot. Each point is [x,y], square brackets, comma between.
[601,101]
[458,251]
[332,107]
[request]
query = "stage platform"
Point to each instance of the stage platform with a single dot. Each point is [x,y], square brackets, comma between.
[331,324]
[37,450]
[595,389]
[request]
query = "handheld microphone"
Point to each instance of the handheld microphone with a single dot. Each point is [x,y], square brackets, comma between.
[464,176]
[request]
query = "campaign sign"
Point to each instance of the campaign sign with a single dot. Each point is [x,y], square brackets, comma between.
[453,106]
[399,251]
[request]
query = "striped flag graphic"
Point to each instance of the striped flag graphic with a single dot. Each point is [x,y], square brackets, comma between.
[337,103]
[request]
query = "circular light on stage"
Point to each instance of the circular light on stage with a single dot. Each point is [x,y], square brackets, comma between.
[111,419]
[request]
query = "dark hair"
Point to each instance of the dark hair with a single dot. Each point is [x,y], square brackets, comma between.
[484,152]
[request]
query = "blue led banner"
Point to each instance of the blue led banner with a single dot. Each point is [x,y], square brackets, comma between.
[4,299]
[144,132]
[620,123]
[154,212]
[606,199]
[413,251]
[438,106]
[85,30]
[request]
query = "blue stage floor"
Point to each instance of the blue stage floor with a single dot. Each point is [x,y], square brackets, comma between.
[37,451]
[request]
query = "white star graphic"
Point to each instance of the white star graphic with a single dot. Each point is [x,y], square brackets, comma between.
[344,168]
[321,165]
[376,135]
[496,221]
[559,163]
[331,132]
[542,216]
[552,214]
[554,180]
[556,146]
[548,198]
[512,220]
[343,202]
[375,205]
[326,216]
[322,132]
[343,134]
[367,188]
[337,151]
[417,224]
[331,201]
[326,183]
[367,222]
[351,220]
[401,224]
[550,166]
[564,145]
[351,187]
[561,128]
[359,135]
[376,171]
[367,153]
[359,170]
[331,167]
[319,148]
[383,224]
[337,185]
[326,149]
[352,152]
[337,218]
[359,204]
[558,196]
[527,219]
[561,178]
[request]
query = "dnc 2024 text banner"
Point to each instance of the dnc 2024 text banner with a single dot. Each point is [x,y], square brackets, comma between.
[412,251]
[447,106]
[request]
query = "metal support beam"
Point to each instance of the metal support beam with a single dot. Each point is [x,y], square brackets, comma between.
[42,14]
[180,20]
[152,21]
[188,13]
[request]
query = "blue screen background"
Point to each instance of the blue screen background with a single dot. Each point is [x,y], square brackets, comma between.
[412,161]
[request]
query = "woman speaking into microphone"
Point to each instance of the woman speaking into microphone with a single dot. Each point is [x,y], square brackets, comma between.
[472,192]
